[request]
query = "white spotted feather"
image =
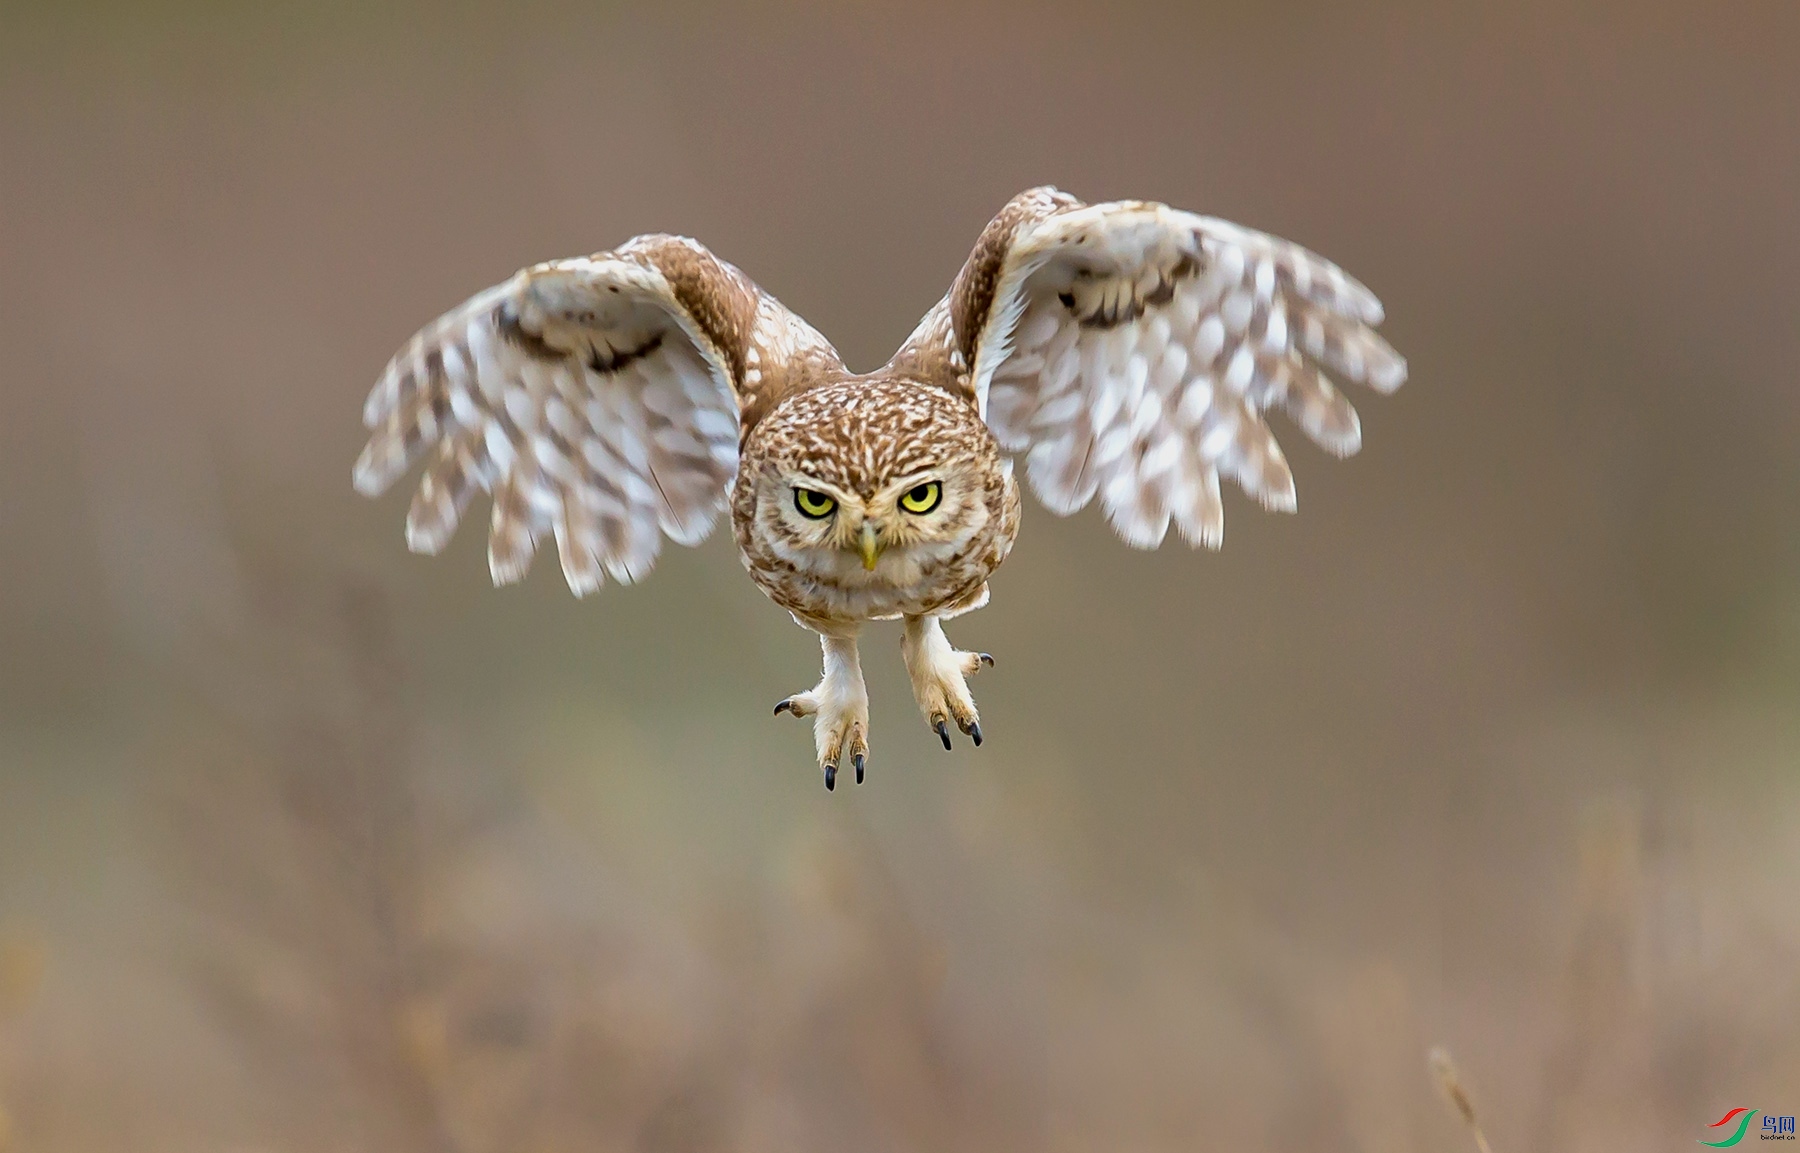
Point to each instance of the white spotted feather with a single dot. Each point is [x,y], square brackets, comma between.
[581,395]
[1132,350]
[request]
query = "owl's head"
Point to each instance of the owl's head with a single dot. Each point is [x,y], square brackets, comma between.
[868,483]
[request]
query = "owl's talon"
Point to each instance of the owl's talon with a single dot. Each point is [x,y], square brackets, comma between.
[839,706]
[939,676]
[800,704]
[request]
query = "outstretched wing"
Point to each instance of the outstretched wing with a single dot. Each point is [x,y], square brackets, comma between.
[599,399]
[1131,350]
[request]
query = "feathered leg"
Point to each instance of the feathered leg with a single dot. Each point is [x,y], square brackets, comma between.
[938,674]
[840,702]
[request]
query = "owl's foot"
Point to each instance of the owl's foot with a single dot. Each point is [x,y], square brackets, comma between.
[939,676]
[840,704]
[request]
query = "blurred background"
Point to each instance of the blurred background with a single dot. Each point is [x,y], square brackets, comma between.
[310,844]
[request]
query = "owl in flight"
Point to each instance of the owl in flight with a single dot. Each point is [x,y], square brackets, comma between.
[1128,351]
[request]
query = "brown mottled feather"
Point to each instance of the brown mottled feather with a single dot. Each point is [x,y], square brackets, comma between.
[1130,350]
[857,437]
[599,399]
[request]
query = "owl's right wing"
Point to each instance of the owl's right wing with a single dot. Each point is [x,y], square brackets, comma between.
[1131,351]
[599,399]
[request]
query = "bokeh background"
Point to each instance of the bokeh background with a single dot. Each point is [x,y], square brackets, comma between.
[309,844]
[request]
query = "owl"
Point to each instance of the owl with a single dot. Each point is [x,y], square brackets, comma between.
[1127,351]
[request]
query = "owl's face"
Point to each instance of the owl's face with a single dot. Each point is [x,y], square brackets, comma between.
[867,487]
[899,515]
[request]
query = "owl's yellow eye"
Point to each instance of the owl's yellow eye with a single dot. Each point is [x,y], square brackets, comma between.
[812,504]
[921,499]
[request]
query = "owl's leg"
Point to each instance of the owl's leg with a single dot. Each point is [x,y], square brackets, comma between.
[841,704]
[939,675]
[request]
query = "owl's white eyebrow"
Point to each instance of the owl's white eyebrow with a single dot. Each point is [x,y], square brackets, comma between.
[813,485]
[914,480]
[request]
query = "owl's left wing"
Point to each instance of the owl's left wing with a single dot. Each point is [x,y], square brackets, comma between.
[599,399]
[1131,350]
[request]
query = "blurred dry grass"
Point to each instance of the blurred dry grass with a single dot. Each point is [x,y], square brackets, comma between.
[422,967]
[308,844]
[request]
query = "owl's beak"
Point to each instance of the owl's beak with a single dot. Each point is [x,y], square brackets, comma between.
[868,546]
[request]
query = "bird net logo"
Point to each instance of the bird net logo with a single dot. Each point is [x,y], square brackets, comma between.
[1736,1124]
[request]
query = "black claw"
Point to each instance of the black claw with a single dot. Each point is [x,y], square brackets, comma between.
[943,732]
[857,760]
[986,659]
[784,706]
[830,777]
[975,732]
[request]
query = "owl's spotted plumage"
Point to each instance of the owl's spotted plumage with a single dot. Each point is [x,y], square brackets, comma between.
[1127,351]
[865,443]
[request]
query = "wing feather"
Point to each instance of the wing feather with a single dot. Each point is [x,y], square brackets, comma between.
[599,400]
[1131,352]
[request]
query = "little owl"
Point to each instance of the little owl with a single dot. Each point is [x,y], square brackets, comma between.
[1128,351]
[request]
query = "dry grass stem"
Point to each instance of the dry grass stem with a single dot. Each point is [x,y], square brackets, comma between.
[1450,1084]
